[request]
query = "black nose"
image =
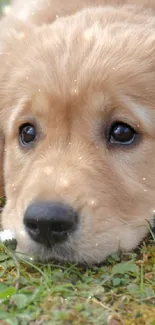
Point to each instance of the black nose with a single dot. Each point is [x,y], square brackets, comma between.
[50,222]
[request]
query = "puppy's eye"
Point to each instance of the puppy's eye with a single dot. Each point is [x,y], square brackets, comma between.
[27,133]
[122,133]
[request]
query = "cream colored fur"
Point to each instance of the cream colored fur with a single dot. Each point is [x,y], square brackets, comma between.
[74,76]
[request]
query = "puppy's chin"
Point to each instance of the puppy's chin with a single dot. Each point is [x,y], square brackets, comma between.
[83,251]
[59,252]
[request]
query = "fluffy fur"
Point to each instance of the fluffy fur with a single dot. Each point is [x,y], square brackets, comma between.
[73,77]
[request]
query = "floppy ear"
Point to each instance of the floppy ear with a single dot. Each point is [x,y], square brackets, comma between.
[1,168]
[12,31]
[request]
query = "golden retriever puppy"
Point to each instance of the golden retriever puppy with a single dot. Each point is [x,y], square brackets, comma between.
[77,115]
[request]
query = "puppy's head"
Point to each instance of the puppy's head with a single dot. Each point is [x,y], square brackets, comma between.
[78,117]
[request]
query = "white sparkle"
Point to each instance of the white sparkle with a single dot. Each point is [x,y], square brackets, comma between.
[48,170]
[22,233]
[92,202]
[64,182]
[13,187]
[88,34]
[144,178]
[22,36]
[144,190]
[74,91]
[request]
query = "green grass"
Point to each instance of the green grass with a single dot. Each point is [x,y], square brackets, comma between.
[122,291]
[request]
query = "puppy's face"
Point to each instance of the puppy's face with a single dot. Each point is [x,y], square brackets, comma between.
[79,124]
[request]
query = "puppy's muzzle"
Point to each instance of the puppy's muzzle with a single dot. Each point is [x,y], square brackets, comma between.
[50,222]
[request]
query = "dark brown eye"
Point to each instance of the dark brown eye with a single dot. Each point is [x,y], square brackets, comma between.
[27,133]
[122,133]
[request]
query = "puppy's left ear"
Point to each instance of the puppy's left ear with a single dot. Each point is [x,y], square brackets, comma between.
[12,31]
[2,191]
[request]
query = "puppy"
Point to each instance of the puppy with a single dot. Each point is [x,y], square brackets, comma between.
[77,118]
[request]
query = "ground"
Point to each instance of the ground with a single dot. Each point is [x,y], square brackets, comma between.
[120,292]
